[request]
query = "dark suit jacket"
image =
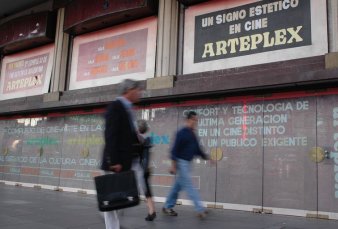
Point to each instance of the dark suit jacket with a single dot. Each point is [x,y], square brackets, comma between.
[120,137]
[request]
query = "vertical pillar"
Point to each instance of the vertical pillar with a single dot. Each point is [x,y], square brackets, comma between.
[333,25]
[58,82]
[331,59]
[180,45]
[166,56]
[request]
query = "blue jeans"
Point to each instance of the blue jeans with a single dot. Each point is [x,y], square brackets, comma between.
[183,182]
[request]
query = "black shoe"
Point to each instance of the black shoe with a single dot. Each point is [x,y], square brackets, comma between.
[151,217]
[169,211]
[202,215]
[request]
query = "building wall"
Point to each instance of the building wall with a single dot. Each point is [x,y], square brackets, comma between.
[266,117]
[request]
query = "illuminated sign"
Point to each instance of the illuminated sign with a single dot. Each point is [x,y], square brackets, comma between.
[252,28]
[252,32]
[27,73]
[111,55]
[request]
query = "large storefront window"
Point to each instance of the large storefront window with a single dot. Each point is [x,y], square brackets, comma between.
[270,151]
[239,169]
[289,168]
[327,137]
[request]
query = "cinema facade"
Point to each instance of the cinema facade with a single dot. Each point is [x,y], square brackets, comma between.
[261,75]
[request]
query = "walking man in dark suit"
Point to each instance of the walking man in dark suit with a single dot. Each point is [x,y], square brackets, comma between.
[121,138]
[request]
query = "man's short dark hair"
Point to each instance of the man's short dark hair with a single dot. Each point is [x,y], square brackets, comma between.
[127,85]
[191,114]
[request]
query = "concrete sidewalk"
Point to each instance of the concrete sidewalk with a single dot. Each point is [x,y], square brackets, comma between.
[32,208]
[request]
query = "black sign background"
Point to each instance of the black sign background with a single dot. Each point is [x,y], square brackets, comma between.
[292,17]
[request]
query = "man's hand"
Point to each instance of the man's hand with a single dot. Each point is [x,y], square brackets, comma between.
[115,168]
[172,169]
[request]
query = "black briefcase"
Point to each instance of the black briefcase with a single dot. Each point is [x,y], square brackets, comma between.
[117,191]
